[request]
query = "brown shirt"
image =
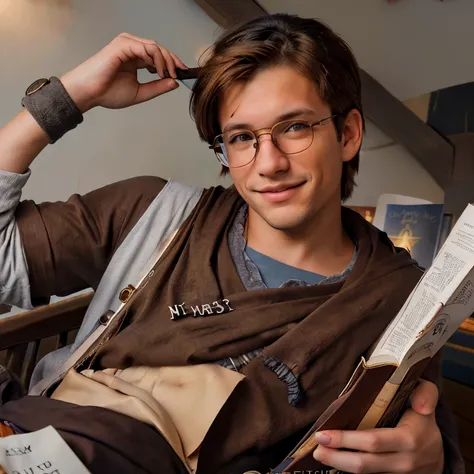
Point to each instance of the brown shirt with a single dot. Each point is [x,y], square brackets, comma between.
[68,245]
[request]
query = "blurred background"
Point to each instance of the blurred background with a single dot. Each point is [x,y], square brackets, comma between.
[411,47]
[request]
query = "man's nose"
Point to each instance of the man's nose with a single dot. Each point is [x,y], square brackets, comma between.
[269,160]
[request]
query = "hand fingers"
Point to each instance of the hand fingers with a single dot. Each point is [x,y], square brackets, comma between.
[170,64]
[178,61]
[129,35]
[379,440]
[137,38]
[140,64]
[170,59]
[424,398]
[135,51]
[347,461]
[153,89]
[415,428]
[155,52]
[143,54]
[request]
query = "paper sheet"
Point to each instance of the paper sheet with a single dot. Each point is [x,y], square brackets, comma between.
[39,452]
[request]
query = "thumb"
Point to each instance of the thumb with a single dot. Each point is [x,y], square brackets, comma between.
[153,89]
[424,398]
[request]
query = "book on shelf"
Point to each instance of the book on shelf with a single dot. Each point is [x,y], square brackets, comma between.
[419,226]
[468,325]
[378,390]
[458,357]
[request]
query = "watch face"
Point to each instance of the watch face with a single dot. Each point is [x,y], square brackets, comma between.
[36,86]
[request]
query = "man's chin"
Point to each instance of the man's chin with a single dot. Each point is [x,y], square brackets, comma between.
[284,218]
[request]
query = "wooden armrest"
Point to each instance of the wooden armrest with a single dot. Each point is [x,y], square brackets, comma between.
[45,321]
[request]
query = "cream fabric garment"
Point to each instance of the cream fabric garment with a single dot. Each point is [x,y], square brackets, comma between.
[181,402]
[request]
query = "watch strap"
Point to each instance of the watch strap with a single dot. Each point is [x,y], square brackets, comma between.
[53,109]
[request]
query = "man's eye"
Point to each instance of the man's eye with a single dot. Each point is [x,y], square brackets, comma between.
[241,137]
[297,127]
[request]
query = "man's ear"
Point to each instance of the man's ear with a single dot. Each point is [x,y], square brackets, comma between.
[352,134]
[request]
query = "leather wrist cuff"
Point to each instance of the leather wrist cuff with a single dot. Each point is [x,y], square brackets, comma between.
[53,109]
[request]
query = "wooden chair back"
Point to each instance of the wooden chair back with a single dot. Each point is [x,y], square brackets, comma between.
[27,337]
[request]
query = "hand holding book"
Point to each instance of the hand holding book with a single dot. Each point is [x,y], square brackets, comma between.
[414,445]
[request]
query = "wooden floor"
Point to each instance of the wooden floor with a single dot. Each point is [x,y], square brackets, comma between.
[461,399]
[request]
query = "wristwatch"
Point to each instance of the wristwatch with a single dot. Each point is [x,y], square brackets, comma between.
[36,86]
[52,107]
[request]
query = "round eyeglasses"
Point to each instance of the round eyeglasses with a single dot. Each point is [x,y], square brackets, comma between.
[237,148]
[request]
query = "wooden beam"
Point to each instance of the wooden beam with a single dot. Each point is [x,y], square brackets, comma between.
[433,152]
[228,13]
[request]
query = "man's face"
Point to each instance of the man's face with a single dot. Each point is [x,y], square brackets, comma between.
[286,191]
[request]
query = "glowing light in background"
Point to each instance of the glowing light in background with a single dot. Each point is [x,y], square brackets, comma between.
[29,20]
[4,4]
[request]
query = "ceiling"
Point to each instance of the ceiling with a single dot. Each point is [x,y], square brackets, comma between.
[410,46]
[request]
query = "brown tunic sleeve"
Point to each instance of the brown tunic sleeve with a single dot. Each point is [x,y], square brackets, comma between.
[453,459]
[68,245]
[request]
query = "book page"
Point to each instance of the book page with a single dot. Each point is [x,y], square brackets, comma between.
[42,451]
[448,271]
[440,328]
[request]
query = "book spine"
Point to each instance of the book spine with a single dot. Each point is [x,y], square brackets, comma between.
[379,407]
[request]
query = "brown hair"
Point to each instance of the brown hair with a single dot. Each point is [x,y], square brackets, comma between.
[307,44]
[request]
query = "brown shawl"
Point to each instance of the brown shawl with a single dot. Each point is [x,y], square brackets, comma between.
[318,332]
[195,309]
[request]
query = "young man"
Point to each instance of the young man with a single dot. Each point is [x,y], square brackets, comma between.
[271,280]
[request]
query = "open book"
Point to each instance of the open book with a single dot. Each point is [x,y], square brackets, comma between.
[377,392]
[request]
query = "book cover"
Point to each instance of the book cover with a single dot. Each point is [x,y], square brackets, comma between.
[385,199]
[415,228]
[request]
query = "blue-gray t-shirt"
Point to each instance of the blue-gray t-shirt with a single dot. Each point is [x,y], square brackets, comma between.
[275,273]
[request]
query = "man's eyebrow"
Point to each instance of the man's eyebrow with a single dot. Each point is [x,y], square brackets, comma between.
[287,116]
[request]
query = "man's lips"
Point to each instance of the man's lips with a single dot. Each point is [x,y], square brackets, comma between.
[279,188]
[280,193]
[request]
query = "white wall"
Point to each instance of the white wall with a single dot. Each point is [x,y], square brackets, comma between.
[392,170]
[157,138]
[410,46]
